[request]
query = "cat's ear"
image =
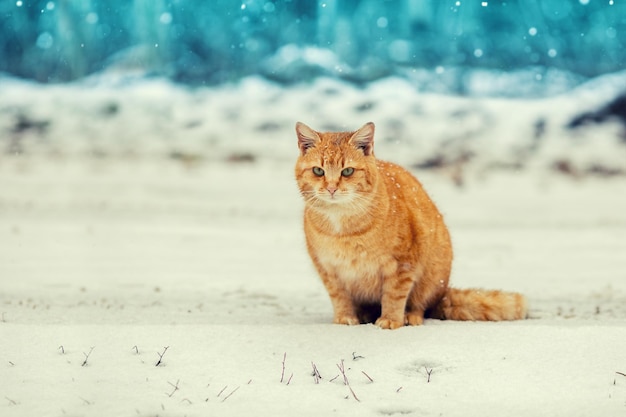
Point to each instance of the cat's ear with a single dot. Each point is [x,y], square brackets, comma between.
[364,138]
[307,137]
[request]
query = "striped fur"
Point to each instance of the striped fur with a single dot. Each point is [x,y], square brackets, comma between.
[377,240]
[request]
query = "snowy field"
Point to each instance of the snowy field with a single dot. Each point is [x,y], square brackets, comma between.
[146,224]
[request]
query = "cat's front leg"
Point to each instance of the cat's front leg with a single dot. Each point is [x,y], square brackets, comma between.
[343,306]
[346,319]
[396,290]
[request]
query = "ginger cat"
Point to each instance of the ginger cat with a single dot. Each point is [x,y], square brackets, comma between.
[377,240]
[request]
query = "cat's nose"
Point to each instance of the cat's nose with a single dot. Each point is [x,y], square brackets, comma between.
[331,190]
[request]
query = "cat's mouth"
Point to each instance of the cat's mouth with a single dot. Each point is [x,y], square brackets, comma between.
[335,198]
[331,198]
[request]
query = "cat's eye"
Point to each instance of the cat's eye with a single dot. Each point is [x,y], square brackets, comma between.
[318,171]
[346,172]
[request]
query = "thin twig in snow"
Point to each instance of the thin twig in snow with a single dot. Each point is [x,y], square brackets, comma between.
[161,355]
[342,369]
[316,374]
[620,373]
[175,388]
[223,389]
[428,372]
[13,402]
[87,356]
[231,393]
[289,380]
[282,374]
[356,357]
[368,377]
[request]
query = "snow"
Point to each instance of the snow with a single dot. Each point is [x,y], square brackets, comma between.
[160,239]
[120,115]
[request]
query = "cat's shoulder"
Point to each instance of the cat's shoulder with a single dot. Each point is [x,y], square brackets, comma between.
[386,166]
[395,173]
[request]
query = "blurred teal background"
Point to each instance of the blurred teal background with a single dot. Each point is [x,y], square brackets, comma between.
[211,42]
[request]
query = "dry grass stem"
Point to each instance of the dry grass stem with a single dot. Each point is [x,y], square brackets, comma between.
[368,377]
[161,356]
[316,374]
[428,372]
[231,393]
[342,369]
[87,356]
[282,374]
[175,386]
[223,389]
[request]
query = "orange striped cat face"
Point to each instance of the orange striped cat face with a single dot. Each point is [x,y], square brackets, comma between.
[334,168]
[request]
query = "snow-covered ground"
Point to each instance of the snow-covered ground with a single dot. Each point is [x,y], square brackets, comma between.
[132,220]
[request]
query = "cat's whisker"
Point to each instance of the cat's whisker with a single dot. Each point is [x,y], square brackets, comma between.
[360,204]
[352,201]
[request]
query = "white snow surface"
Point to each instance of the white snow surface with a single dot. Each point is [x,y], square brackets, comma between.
[126,234]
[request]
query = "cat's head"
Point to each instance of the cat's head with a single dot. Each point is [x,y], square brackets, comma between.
[335,167]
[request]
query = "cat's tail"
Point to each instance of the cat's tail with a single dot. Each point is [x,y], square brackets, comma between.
[480,305]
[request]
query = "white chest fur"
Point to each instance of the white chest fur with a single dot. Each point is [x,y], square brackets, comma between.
[356,263]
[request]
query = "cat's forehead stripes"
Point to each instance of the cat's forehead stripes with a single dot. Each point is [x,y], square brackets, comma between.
[330,150]
[336,139]
[332,147]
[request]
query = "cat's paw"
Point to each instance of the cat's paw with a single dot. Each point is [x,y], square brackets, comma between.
[348,320]
[414,319]
[384,323]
